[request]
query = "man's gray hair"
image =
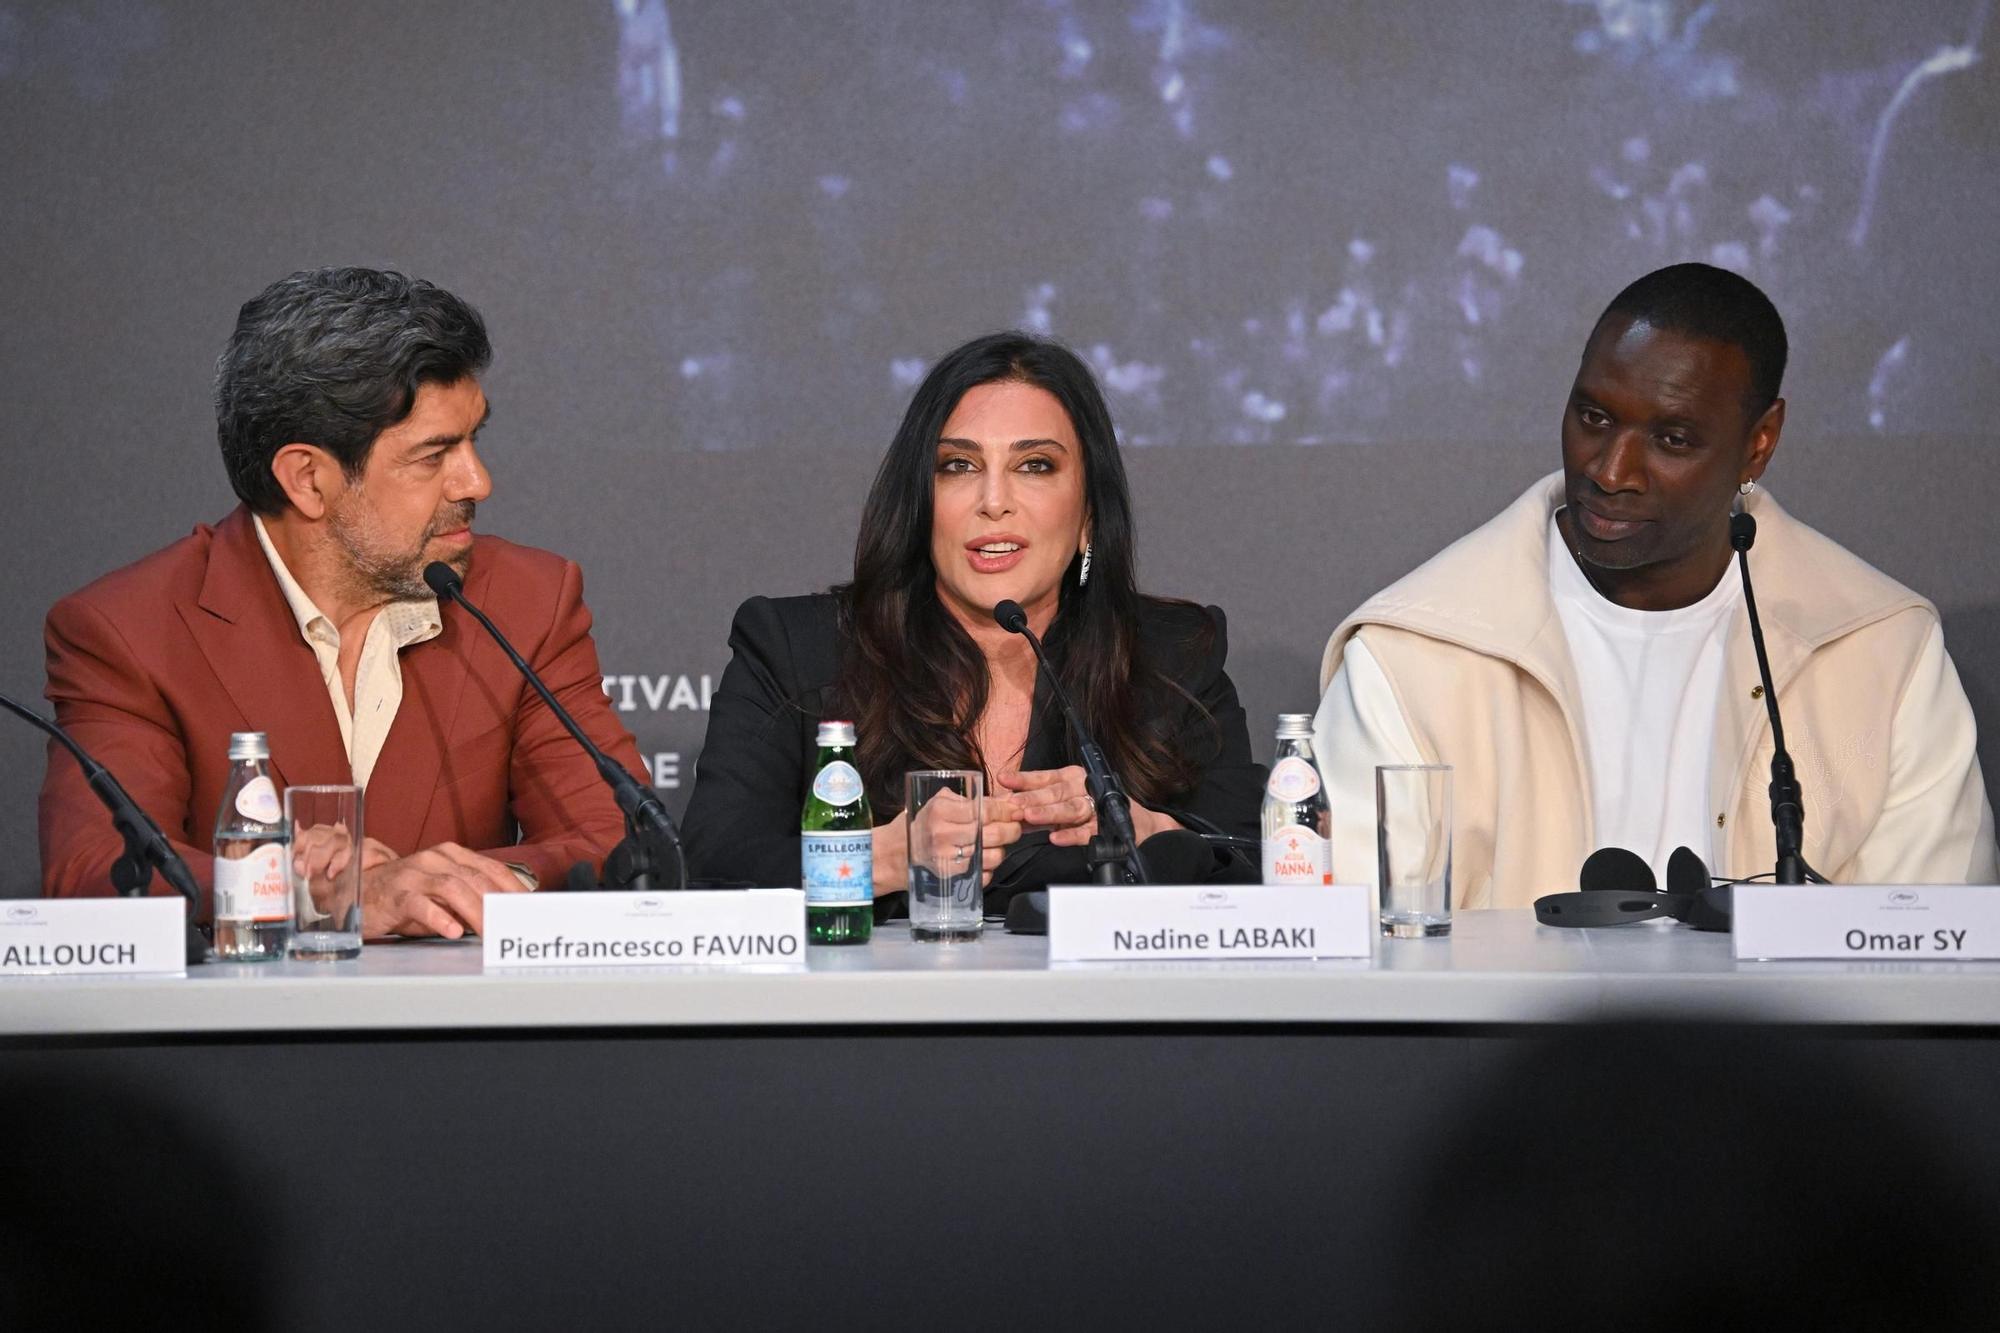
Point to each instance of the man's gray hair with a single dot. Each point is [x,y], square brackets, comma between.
[333,357]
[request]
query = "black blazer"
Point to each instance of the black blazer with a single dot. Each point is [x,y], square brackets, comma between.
[756,765]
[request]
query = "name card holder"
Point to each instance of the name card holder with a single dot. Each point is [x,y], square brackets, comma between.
[88,937]
[1104,923]
[1923,921]
[704,928]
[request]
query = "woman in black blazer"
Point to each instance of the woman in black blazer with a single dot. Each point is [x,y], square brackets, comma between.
[1003,482]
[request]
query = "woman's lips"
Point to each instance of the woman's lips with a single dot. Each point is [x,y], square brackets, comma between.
[995,564]
[991,560]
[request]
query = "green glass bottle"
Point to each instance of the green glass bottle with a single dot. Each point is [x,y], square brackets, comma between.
[836,845]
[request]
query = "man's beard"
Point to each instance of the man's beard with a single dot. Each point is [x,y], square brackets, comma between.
[397,576]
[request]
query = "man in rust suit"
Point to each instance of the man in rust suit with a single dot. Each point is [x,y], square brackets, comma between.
[349,406]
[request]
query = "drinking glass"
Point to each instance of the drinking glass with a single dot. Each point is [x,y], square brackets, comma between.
[325,871]
[1413,848]
[945,809]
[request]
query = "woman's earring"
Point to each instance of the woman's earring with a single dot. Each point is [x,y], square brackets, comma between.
[1744,488]
[1083,574]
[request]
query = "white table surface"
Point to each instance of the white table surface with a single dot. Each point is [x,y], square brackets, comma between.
[1496,967]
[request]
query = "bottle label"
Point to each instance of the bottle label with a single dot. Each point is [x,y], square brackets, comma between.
[838,783]
[1297,855]
[259,801]
[253,888]
[837,867]
[1292,780]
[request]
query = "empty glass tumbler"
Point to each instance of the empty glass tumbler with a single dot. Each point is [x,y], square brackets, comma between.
[325,871]
[1413,848]
[945,810]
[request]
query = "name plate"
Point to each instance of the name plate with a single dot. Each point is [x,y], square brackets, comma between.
[708,928]
[93,936]
[1210,921]
[1866,921]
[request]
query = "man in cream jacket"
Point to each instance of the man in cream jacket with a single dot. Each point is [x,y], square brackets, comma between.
[1584,662]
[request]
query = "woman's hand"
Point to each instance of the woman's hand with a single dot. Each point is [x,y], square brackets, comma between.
[943,838]
[890,854]
[1058,799]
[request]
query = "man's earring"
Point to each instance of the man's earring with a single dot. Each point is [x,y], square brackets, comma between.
[1744,488]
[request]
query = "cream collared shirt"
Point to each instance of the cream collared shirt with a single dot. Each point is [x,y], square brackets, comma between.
[378,676]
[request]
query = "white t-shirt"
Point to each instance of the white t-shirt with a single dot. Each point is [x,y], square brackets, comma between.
[1650,682]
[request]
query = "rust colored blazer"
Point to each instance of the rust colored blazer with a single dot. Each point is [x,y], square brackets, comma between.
[151,668]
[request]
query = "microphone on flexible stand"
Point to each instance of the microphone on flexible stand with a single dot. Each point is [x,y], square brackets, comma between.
[146,847]
[1115,844]
[652,845]
[1788,808]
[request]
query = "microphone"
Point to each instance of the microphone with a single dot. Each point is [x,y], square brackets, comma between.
[1115,840]
[652,844]
[146,847]
[1788,809]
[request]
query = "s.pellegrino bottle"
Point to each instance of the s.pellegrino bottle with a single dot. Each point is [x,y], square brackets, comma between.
[836,845]
[1298,822]
[253,896]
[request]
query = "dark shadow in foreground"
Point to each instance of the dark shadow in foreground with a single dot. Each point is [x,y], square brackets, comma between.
[116,1211]
[1673,1177]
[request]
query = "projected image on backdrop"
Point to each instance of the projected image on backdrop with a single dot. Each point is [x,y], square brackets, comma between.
[1297,223]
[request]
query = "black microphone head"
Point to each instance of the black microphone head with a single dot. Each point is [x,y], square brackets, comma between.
[1616,869]
[1742,531]
[442,578]
[1011,617]
[1686,871]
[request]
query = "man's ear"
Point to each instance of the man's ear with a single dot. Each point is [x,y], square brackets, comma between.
[1764,440]
[309,476]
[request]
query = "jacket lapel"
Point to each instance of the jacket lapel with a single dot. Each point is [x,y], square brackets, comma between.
[1547,659]
[405,775]
[252,644]
[1809,592]
[435,674]
[1742,722]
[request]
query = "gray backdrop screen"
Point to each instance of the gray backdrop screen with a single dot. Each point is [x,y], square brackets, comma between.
[1333,263]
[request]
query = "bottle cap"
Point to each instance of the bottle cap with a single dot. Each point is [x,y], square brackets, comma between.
[248,745]
[1295,726]
[836,733]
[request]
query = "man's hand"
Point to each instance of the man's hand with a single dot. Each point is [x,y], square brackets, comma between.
[325,851]
[321,859]
[433,892]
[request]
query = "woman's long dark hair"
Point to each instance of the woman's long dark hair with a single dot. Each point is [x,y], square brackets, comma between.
[912,677]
